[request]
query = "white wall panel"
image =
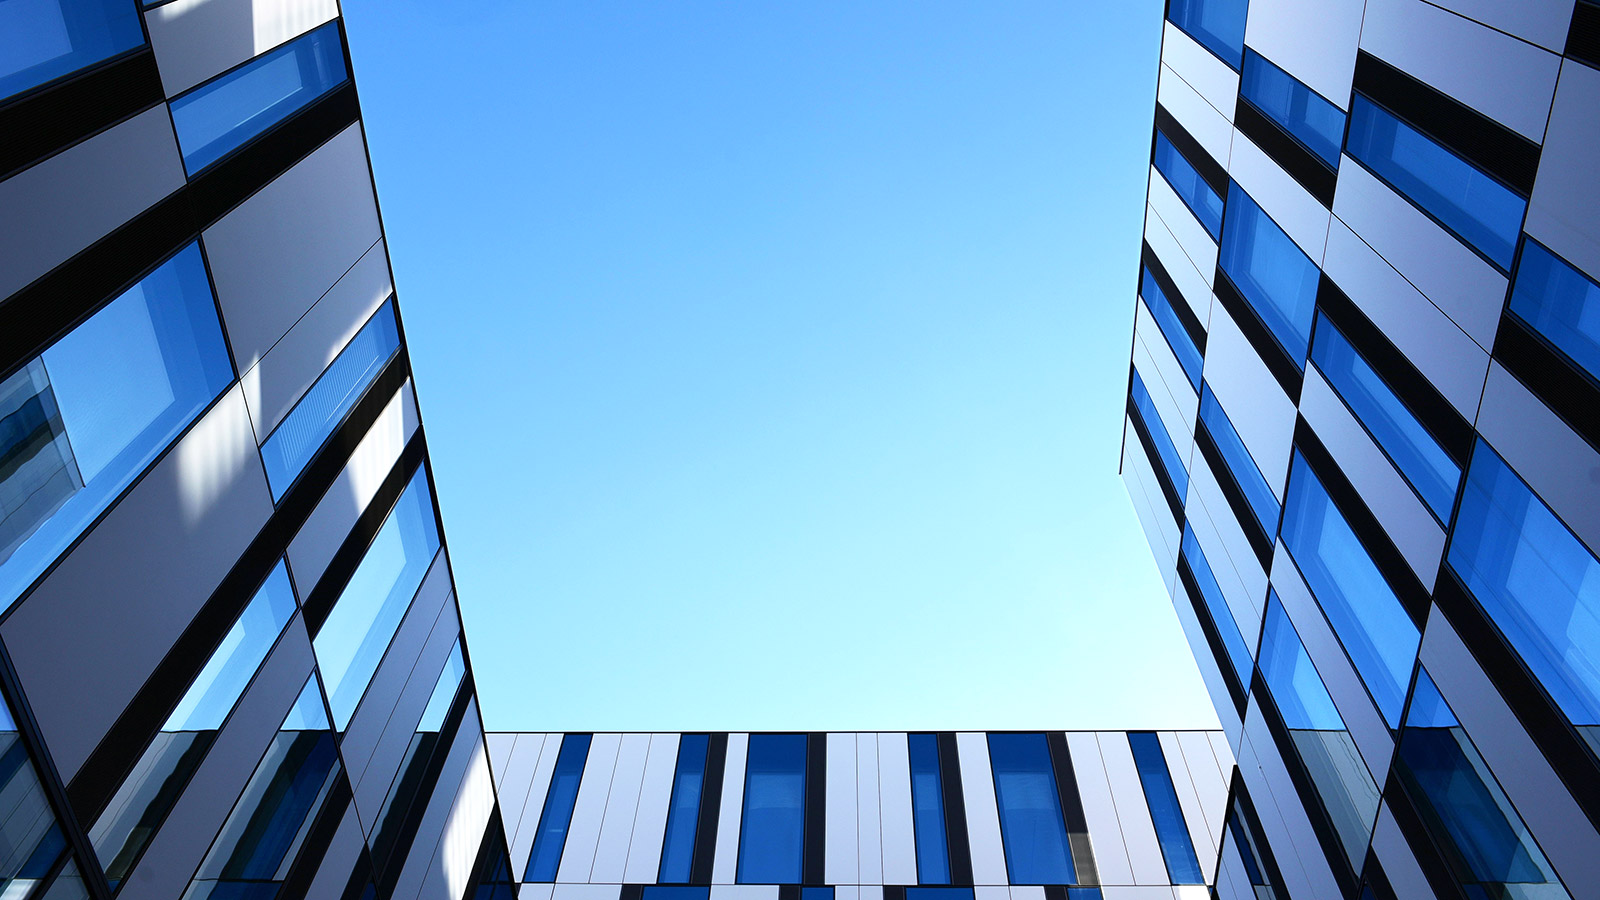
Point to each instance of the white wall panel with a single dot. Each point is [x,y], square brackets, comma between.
[655,799]
[1233,562]
[1099,809]
[894,793]
[1027,892]
[1300,215]
[1194,817]
[726,864]
[1307,872]
[1209,76]
[1210,781]
[533,805]
[1152,350]
[1136,892]
[1196,242]
[1544,23]
[1133,811]
[1194,285]
[1260,411]
[436,815]
[1150,503]
[588,811]
[869,833]
[983,815]
[743,891]
[1564,212]
[622,805]
[516,783]
[1171,400]
[1213,130]
[1399,864]
[840,862]
[500,744]
[544,891]
[195,41]
[1314,42]
[1225,750]
[458,845]
[991,892]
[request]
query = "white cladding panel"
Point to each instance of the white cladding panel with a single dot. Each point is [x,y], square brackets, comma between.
[1133,811]
[726,864]
[983,815]
[622,804]
[655,798]
[588,811]
[894,793]
[840,865]
[869,835]
[1099,809]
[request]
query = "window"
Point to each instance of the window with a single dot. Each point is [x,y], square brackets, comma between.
[1318,733]
[772,829]
[816,893]
[1168,453]
[1314,122]
[1183,346]
[1189,186]
[927,810]
[1536,581]
[551,837]
[939,893]
[1403,438]
[1222,616]
[410,781]
[81,421]
[364,618]
[1374,628]
[1480,210]
[302,432]
[683,816]
[1560,303]
[223,114]
[1217,24]
[1031,824]
[1263,503]
[675,892]
[1171,832]
[1462,805]
[42,40]
[144,799]
[1276,278]
[1241,836]
[32,840]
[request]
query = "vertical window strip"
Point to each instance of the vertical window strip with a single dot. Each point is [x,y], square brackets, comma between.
[1032,827]
[1183,867]
[551,837]
[772,827]
[683,812]
[927,810]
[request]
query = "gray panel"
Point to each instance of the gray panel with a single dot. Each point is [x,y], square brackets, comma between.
[194,41]
[1394,854]
[588,811]
[457,848]
[650,823]
[894,809]
[467,747]
[56,208]
[590,891]
[126,592]
[1314,42]
[1564,212]
[1201,835]
[1258,408]
[1186,229]
[1133,811]
[500,744]
[1150,503]
[983,814]
[340,859]
[1300,215]
[1209,76]
[1288,831]
[1175,399]
[726,863]
[1099,810]
[1543,23]
[622,804]
[869,834]
[1194,285]
[512,787]
[1214,130]
[840,863]
[276,253]
[742,892]
[1200,648]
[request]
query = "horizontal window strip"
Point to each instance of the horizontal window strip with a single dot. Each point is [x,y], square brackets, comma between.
[1284,369]
[1290,155]
[1210,170]
[1168,489]
[1238,503]
[41,124]
[1583,38]
[1213,636]
[1180,305]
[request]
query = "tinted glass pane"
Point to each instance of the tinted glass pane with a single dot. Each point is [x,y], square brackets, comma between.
[927,810]
[772,830]
[218,117]
[1560,303]
[1241,837]
[816,893]
[552,834]
[939,893]
[1311,120]
[1240,463]
[1275,277]
[1217,24]
[302,432]
[1034,832]
[1222,614]
[1176,847]
[28,829]
[1189,186]
[1538,583]
[1480,210]
[677,854]
[41,40]
[1414,451]
[1167,320]
[81,421]
[657,892]
[1167,452]
[410,779]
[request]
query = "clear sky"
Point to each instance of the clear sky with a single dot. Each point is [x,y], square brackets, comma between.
[772,355]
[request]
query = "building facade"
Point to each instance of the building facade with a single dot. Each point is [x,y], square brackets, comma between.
[1361,433]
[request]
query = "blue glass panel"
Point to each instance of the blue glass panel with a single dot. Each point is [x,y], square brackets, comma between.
[939,893]
[42,40]
[1183,867]
[683,815]
[551,837]
[1372,625]
[772,830]
[1414,451]
[1277,279]
[221,115]
[369,609]
[1170,460]
[444,691]
[1538,583]
[1263,503]
[315,416]
[1217,605]
[927,810]
[79,423]
[676,892]
[28,832]
[1460,802]
[816,893]
[1245,843]
[1311,120]
[1217,24]
[1480,210]
[1031,825]
[1183,347]
[1189,186]
[1560,303]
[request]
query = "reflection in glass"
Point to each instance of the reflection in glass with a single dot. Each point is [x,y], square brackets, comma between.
[927,810]
[1031,825]
[1275,276]
[1309,119]
[1222,616]
[1560,303]
[1218,24]
[42,40]
[30,839]
[409,780]
[1240,837]
[772,830]
[1183,867]
[1167,452]
[683,815]
[551,837]
[1241,464]
[1183,346]
[1189,186]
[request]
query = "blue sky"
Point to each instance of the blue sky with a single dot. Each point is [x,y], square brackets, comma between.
[772,356]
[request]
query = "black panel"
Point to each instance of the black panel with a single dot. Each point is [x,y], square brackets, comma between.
[705,832]
[812,870]
[788,892]
[1490,146]
[1182,141]
[1374,879]
[1429,859]
[1072,809]
[1177,301]
[1583,40]
[1208,626]
[1303,166]
[894,892]
[43,123]
[1055,892]
[360,886]
[636,892]
[297,883]
[1568,392]
[1168,489]
[1260,541]
[955,810]
[1284,368]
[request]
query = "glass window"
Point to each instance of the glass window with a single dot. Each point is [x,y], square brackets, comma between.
[1538,583]
[1480,210]
[130,820]
[1560,303]
[315,416]
[683,816]
[81,421]
[1318,732]
[1462,805]
[410,780]
[1183,347]
[1170,460]
[271,819]
[1276,278]
[1189,186]
[1309,119]
[816,893]
[1263,503]
[939,893]
[42,40]
[1404,439]
[223,114]
[1373,626]
[32,840]
[1031,824]
[1183,867]
[364,618]
[927,810]
[676,892]
[772,830]
[552,834]
[1217,24]
[1233,640]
